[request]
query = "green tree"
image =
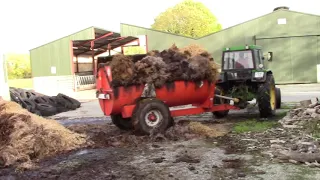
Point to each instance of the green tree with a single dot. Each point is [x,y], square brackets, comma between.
[18,66]
[131,50]
[188,18]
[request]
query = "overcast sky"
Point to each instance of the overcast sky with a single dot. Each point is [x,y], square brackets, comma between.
[26,24]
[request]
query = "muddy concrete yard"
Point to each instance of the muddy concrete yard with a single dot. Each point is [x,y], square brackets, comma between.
[197,147]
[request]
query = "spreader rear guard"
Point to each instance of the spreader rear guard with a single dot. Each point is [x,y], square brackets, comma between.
[122,100]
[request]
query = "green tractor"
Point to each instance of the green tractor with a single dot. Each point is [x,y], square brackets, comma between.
[244,76]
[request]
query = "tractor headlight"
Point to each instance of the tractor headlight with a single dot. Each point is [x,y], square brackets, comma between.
[258,74]
[260,66]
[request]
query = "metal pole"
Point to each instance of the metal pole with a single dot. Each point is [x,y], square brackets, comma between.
[229,98]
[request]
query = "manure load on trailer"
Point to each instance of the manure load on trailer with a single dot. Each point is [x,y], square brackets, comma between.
[186,64]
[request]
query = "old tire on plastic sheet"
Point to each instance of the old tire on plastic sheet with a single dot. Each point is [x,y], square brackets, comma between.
[14,96]
[46,109]
[266,97]
[29,105]
[278,98]
[23,94]
[122,123]
[68,102]
[151,115]
[217,101]
[30,94]
[41,100]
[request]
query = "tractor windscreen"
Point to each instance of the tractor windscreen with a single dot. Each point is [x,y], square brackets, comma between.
[238,60]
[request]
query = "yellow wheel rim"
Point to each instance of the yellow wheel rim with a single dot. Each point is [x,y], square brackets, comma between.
[272,96]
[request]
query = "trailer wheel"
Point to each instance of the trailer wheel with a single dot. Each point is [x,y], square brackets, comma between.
[122,123]
[278,98]
[267,97]
[220,114]
[151,115]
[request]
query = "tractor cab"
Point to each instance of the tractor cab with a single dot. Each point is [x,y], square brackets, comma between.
[244,75]
[242,57]
[242,62]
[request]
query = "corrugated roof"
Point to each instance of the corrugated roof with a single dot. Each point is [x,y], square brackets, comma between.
[98,31]
[226,28]
[101,45]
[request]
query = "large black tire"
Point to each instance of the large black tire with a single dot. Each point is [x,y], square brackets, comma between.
[23,94]
[68,102]
[41,100]
[217,101]
[46,109]
[266,97]
[30,94]
[29,105]
[159,118]
[14,96]
[278,98]
[122,123]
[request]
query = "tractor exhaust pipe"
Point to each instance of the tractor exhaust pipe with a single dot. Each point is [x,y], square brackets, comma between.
[236,100]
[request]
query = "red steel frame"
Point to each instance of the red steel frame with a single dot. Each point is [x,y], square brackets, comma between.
[207,106]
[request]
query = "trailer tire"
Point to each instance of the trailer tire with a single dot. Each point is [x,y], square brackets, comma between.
[266,97]
[122,123]
[151,116]
[278,98]
[220,114]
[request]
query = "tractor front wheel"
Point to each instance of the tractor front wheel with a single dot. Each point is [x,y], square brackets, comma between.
[122,123]
[278,98]
[266,97]
[151,116]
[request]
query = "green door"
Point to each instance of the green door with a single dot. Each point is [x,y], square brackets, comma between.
[294,58]
[281,62]
[304,59]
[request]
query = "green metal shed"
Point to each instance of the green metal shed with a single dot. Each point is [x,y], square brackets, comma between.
[55,66]
[292,36]
[57,55]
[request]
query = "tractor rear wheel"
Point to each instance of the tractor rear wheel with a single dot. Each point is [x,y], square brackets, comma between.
[266,97]
[122,123]
[278,98]
[217,101]
[151,116]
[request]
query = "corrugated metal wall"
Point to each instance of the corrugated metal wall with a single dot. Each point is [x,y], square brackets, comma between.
[157,40]
[56,54]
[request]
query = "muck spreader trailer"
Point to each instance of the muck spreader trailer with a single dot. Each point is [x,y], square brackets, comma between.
[144,108]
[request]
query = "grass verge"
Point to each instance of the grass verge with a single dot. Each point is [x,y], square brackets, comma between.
[253,126]
[21,83]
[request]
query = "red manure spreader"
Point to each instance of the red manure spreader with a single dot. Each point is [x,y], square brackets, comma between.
[143,107]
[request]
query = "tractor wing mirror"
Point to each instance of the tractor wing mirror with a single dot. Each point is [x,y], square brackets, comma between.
[268,56]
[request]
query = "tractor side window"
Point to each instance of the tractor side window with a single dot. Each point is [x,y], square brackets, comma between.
[257,57]
[238,60]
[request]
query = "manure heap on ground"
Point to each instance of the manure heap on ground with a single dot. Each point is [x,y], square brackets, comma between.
[26,136]
[191,63]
